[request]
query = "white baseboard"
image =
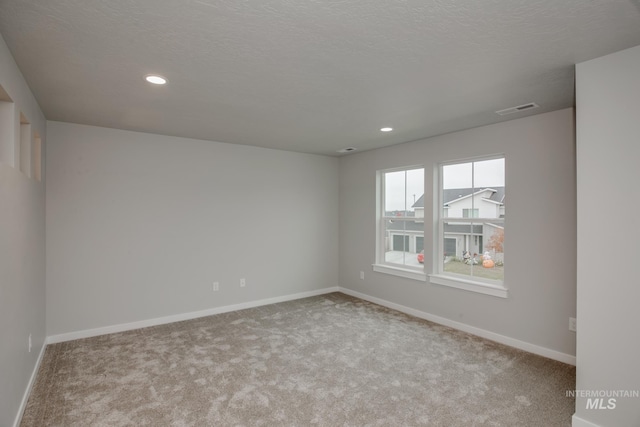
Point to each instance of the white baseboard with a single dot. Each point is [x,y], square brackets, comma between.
[27,392]
[522,345]
[579,422]
[70,336]
[512,342]
[532,348]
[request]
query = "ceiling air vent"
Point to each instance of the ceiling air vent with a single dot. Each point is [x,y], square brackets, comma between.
[347,150]
[519,108]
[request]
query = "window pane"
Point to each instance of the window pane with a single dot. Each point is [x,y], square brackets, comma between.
[403,191]
[394,193]
[458,190]
[404,240]
[415,191]
[488,173]
[474,249]
[457,176]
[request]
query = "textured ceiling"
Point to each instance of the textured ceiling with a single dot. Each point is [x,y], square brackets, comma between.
[307,75]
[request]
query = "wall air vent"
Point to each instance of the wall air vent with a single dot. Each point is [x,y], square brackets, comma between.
[519,108]
[347,150]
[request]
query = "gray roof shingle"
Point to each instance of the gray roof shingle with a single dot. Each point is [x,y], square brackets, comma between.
[451,194]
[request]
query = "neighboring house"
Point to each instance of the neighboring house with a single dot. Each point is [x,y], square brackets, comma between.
[407,236]
[460,236]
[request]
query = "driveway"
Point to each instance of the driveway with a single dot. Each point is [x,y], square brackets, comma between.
[406,258]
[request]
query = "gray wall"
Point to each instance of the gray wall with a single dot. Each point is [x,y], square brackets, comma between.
[608,150]
[539,239]
[140,225]
[22,253]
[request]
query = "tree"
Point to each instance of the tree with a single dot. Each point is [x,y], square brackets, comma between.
[496,241]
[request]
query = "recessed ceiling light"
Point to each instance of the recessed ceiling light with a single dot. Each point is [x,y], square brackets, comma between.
[347,150]
[386,129]
[155,79]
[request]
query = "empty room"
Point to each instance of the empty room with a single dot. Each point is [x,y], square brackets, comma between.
[278,213]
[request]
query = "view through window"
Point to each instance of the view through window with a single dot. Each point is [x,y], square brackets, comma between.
[402,220]
[471,223]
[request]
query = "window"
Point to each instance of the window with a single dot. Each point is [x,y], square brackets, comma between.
[470,213]
[471,226]
[25,145]
[6,128]
[400,235]
[36,157]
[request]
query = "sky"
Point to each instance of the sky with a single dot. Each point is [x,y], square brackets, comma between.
[486,173]
[395,186]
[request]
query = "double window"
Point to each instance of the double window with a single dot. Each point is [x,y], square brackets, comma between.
[469,226]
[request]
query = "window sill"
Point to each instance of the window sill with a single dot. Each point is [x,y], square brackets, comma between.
[401,272]
[469,285]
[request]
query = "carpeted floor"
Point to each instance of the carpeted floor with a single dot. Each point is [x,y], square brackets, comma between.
[330,360]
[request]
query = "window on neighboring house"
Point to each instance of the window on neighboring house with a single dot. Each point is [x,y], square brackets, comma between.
[471,213]
[400,235]
[471,226]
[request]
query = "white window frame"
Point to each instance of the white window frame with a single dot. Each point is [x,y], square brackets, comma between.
[381,265]
[439,276]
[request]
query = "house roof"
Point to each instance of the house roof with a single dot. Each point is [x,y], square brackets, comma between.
[453,194]
[405,225]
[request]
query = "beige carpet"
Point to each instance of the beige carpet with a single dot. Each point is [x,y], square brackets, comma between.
[330,360]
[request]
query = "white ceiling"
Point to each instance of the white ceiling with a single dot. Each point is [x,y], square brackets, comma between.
[308,75]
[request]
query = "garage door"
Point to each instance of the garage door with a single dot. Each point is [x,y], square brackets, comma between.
[398,240]
[449,247]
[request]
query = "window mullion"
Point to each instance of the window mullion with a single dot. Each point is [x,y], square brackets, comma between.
[473,205]
[404,223]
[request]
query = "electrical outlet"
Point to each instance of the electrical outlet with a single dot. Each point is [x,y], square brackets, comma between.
[216,286]
[573,324]
[29,343]
[243,283]
[362,275]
